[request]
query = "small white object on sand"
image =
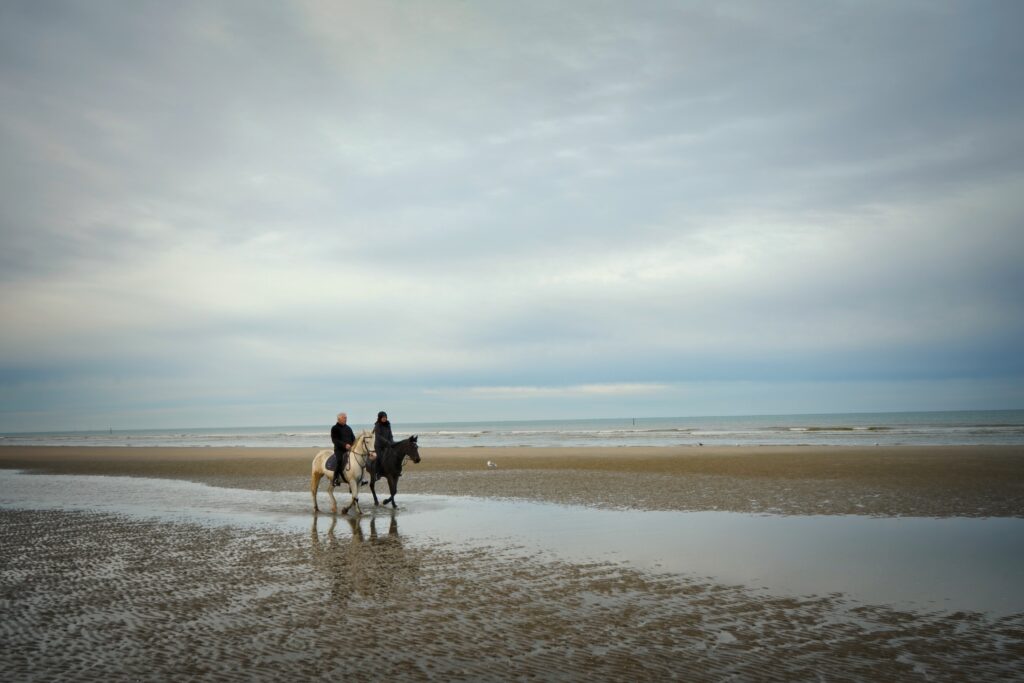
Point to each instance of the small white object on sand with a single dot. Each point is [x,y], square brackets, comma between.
[491,463]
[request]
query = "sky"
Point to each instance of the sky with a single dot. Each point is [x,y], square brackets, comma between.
[226,213]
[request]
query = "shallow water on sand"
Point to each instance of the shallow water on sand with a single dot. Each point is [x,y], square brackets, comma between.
[949,564]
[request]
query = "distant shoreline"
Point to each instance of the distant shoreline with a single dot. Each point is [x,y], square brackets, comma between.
[970,481]
[946,428]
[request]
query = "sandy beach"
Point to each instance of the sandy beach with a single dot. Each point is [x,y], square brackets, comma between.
[972,481]
[95,596]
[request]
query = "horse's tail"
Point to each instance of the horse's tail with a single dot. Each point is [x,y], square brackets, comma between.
[319,466]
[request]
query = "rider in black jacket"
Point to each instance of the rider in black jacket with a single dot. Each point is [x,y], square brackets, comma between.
[385,440]
[343,437]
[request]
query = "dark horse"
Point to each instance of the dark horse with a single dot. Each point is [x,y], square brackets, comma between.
[389,465]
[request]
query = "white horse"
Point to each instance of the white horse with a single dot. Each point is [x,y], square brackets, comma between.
[361,453]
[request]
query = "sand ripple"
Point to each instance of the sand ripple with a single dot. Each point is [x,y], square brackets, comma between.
[95,597]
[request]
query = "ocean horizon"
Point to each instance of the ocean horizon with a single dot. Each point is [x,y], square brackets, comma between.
[976,427]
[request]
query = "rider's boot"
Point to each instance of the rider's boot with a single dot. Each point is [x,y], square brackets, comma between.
[343,463]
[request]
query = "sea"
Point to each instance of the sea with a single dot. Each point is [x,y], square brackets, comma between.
[997,427]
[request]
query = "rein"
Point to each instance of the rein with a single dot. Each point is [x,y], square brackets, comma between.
[404,455]
[365,455]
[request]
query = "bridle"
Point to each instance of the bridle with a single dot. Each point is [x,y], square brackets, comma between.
[367,454]
[408,454]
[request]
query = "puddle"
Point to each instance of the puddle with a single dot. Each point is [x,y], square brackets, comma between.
[947,564]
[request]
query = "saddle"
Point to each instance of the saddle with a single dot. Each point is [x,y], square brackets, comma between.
[332,465]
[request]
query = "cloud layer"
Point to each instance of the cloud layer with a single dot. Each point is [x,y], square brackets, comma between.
[263,215]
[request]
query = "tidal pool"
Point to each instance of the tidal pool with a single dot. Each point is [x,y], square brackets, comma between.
[947,564]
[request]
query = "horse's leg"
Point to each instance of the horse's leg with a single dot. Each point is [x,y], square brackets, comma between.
[373,489]
[330,492]
[314,483]
[344,510]
[393,488]
[353,489]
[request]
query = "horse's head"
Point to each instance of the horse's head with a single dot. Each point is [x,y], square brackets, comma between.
[414,448]
[367,441]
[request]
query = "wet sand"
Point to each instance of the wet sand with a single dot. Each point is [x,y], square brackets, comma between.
[98,597]
[93,596]
[963,481]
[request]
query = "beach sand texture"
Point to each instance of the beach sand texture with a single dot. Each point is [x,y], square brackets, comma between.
[971,481]
[96,596]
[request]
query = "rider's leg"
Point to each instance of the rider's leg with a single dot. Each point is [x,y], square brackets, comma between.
[340,467]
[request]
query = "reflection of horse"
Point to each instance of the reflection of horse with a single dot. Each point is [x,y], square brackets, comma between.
[360,454]
[389,465]
[376,567]
[341,562]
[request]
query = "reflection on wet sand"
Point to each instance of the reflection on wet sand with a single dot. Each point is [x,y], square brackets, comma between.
[94,597]
[360,566]
[909,563]
[132,579]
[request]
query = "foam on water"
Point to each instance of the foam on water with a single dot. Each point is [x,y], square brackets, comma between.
[1004,427]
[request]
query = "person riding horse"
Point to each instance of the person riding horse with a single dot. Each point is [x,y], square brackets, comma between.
[385,440]
[342,437]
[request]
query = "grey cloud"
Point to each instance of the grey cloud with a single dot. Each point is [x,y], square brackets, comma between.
[505,174]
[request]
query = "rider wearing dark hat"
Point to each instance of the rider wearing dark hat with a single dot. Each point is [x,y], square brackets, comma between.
[385,440]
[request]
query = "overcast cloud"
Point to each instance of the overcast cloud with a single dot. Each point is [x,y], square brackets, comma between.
[234,213]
